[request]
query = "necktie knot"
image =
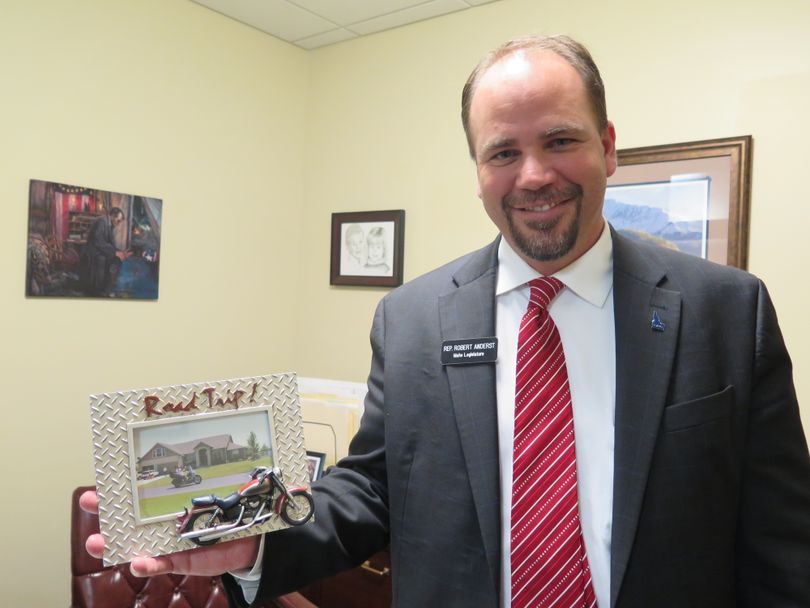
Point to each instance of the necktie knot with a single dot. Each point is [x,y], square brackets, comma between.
[544,290]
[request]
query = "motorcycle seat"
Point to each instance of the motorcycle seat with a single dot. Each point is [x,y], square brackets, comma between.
[204,501]
[228,501]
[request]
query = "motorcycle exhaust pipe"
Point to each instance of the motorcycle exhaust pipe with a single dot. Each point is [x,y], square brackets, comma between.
[218,530]
[223,529]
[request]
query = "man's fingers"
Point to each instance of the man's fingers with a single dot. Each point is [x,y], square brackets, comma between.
[88,501]
[95,545]
[151,566]
[205,561]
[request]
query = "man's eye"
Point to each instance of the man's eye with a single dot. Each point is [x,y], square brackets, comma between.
[504,155]
[561,142]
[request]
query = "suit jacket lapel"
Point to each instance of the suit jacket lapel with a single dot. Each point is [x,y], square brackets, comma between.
[647,318]
[469,312]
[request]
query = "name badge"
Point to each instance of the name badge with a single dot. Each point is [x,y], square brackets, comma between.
[470,350]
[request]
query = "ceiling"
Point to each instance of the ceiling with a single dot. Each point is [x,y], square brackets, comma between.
[314,23]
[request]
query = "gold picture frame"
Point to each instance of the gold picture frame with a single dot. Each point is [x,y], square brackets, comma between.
[717,169]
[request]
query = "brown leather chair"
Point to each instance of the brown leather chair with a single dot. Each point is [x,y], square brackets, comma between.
[96,586]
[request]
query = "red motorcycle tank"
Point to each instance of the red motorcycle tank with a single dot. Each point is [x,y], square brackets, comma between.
[253,487]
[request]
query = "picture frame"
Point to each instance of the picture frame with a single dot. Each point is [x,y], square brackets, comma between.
[84,242]
[315,465]
[693,196]
[155,449]
[367,248]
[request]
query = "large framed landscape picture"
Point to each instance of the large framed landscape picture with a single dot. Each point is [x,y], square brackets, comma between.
[692,197]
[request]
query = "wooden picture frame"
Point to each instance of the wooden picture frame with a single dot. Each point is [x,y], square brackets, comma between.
[694,196]
[367,248]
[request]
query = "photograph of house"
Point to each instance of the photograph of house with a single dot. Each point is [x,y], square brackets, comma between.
[206,451]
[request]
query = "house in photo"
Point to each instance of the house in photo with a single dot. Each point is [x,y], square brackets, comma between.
[204,452]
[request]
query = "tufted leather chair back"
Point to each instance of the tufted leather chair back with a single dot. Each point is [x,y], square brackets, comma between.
[94,586]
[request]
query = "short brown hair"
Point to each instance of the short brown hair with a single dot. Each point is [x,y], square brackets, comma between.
[569,49]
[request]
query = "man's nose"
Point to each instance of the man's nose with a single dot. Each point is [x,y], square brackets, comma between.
[535,172]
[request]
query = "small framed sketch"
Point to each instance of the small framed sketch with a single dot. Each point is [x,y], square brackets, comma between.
[367,248]
[157,450]
[315,461]
[693,197]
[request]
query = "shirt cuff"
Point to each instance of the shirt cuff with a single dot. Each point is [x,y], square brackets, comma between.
[248,578]
[254,573]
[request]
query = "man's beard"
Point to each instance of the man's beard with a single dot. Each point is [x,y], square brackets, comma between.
[538,240]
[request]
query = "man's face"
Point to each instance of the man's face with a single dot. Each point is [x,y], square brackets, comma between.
[541,159]
[116,219]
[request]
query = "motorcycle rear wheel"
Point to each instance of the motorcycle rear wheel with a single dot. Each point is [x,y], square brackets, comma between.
[298,510]
[203,521]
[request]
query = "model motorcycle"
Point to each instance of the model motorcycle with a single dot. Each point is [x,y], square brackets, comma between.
[186,477]
[261,498]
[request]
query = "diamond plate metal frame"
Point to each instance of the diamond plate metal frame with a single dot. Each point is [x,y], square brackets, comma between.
[113,413]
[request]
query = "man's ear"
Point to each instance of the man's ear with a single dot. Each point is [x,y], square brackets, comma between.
[609,146]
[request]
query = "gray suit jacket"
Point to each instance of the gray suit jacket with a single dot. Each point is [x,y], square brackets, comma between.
[712,475]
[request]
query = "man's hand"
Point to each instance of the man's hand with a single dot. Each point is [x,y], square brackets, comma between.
[205,561]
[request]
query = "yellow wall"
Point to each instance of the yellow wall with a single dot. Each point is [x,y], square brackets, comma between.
[253,143]
[165,99]
[387,135]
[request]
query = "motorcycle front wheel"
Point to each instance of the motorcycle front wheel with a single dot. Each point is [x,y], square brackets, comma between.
[202,521]
[298,510]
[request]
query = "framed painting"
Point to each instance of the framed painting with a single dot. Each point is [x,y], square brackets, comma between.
[367,248]
[89,243]
[693,197]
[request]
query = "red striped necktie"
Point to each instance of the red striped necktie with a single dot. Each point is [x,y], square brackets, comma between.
[549,564]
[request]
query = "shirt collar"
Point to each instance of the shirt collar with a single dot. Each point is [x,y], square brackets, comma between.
[590,276]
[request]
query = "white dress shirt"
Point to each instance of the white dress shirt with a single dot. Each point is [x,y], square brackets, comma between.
[583,313]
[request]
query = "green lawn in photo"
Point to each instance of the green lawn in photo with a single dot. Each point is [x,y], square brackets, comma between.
[177,501]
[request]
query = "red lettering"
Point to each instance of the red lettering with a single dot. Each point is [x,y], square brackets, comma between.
[179,407]
[237,395]
[149,403]
[209,392]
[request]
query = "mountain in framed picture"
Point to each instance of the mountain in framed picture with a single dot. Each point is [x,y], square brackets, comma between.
[693,197]
[89,243]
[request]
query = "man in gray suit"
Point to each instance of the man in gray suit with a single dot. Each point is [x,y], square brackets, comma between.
[694,475]
[101,260]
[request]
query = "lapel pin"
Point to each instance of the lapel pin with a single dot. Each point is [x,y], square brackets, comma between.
[657,324]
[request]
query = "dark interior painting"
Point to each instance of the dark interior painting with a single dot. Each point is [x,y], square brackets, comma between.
[84,242]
